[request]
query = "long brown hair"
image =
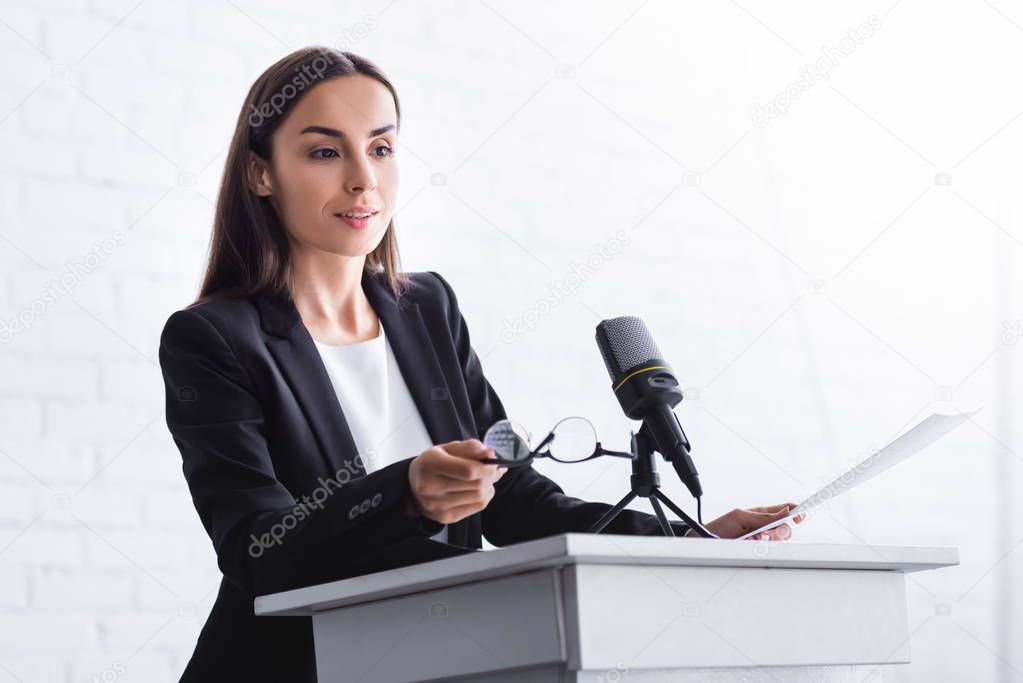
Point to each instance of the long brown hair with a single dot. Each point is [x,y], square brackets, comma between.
[249,250]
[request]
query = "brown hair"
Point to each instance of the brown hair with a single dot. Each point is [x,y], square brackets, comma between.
[249,248]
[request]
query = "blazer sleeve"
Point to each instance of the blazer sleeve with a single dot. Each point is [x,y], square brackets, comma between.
[526,504]
[266,540]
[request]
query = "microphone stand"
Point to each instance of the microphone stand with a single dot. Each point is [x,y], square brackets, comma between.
[646,482]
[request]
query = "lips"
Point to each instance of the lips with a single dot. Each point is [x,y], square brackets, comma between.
[357,210]
[357,223]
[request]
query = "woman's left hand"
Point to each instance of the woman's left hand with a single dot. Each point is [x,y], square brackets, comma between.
[739,521]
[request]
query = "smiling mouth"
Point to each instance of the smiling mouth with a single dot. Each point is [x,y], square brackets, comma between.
[360,214]
[355,222]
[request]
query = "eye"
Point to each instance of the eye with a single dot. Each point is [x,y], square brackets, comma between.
[388,151]
[315,154]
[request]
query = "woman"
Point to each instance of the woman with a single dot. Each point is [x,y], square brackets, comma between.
[326,405]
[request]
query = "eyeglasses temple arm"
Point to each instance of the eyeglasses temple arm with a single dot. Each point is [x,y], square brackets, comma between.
[620,454]
[546,440]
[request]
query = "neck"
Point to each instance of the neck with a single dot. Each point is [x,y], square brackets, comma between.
[327,291]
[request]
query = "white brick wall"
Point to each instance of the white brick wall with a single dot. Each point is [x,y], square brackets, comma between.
[107,573]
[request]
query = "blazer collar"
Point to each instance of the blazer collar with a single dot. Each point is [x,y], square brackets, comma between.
[293,348]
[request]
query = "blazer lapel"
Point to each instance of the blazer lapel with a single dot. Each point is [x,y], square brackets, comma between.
[295,352]
[417,359]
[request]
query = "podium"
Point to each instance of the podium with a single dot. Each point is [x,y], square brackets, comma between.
[604,608]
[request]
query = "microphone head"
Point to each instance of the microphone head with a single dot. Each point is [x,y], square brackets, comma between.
[625,343]
[646,388]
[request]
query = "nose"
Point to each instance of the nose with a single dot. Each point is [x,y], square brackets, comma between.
[360,176]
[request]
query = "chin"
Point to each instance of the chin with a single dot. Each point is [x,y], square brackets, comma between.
[352,248]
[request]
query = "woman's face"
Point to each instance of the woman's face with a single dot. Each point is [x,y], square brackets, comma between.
[334,153]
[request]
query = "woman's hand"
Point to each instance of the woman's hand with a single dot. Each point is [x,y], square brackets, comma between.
[738,522]
[449,483]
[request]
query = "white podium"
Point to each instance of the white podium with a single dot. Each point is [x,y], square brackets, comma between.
[606,608]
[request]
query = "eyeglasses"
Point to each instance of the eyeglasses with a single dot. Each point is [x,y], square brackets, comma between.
[572,439]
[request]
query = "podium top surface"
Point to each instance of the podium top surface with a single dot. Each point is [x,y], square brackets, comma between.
[583,548]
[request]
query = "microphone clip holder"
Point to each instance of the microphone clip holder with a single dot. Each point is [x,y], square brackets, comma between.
[646,483]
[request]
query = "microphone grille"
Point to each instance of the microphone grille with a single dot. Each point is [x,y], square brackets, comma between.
[624,343]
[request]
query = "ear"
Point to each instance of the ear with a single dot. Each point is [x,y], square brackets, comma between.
[259,177]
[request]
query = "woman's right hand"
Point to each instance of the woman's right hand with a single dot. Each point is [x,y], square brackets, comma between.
[449,483]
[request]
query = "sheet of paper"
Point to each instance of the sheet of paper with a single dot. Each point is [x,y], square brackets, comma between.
[912,441]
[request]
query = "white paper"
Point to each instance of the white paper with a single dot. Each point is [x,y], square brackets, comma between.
[916,439]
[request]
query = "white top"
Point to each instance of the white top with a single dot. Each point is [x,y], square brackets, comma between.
[382,417]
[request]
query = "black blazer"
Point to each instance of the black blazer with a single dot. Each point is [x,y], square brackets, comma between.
[273,472]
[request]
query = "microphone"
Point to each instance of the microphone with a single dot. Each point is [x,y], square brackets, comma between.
[647,390]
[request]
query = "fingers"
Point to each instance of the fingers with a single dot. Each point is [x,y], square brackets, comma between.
[440,472]
[469,448]
[472,451]
[774,508]
[798,519]
[782,532]
[777,511]
[753,518]
[456,499]
[450,483]
[449,509]
[763,515]
[461,460]
[460,513]
[434,484]
[444,486]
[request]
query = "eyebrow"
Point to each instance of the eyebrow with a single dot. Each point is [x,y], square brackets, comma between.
[335,133]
